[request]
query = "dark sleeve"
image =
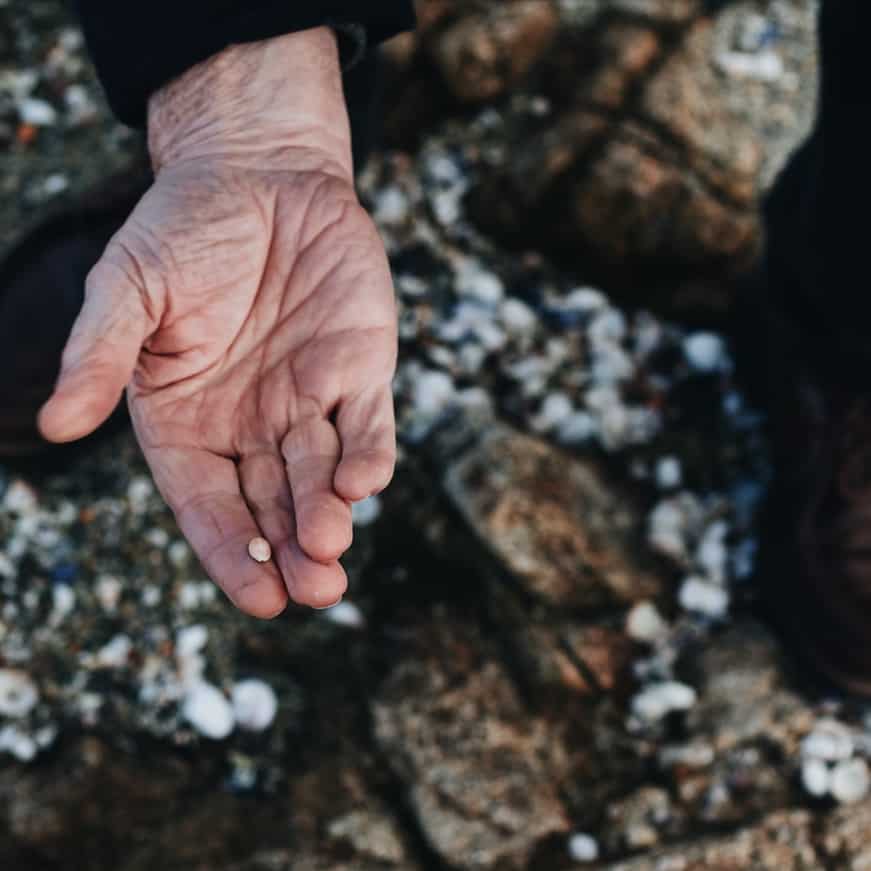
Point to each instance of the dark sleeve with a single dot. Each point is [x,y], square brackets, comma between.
[140,45]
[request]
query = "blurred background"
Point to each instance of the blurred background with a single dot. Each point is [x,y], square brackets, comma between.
[548,656]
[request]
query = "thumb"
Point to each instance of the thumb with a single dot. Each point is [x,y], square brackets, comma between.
[100,355]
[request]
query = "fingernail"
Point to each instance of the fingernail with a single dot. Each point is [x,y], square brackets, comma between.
[327,607]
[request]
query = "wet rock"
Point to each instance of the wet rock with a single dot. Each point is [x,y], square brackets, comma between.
[370,834]
[782,842]
[660,10]
[604,653]
[738,785]
[618,208]
[846,838]
[742,693]
[641,820]
[627,145]
[553,522]
[306,860]
[685,98]
[492,47]
[478,773]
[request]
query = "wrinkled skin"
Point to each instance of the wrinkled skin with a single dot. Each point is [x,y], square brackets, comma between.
[250,314]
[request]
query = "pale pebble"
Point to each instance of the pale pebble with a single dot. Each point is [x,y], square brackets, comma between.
[178,553]
[151,595]
[705,352]
[208,710]
[471,357]
[644,623]
[191,639]
[18,693]
[391,206]
[850,781]
[37,112]
[669,473]
[63,601]
[611,364]
[584,299]
[447,206]
[157,537]
[583,848]
[667,529]
[254,705]
[656,701]
[555,409]
[517,317]
[139,491]
[476,282]
[577,428]
[109,589]
[7,567]
[712,554]
[115,653]
[366,511]
[702,597]
[607,327]
[345,614]
[830,741]
[20,498]
[433,392]
[816,777]
[55,184]
[17,743]
[490,335]
[698,754]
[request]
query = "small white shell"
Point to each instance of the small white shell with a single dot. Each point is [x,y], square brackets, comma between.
[259,550]
[18,693]
[207,709]
[254,705]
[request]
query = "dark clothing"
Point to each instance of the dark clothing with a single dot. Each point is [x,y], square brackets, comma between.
[139,46]
[817,268]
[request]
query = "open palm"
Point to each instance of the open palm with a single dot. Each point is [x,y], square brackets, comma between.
[251,316]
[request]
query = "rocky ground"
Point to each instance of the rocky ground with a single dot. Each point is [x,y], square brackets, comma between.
[549,655]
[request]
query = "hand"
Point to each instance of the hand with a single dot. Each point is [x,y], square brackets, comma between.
[247,307]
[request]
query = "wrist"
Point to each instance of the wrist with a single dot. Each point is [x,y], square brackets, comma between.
[272,104]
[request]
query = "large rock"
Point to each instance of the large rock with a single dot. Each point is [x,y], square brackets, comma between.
[480,772]
[637,138]
[94,806]
[491,48]
[781,842]
[743,695]
[846,839]
[550,520]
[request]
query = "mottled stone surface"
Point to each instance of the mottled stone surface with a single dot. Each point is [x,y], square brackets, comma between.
[482,54]
[481,777]
[555,525]
[633,140]
[743,694]
[782,842]
[846,839]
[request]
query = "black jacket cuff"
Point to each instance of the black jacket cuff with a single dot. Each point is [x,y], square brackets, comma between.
[140,46]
